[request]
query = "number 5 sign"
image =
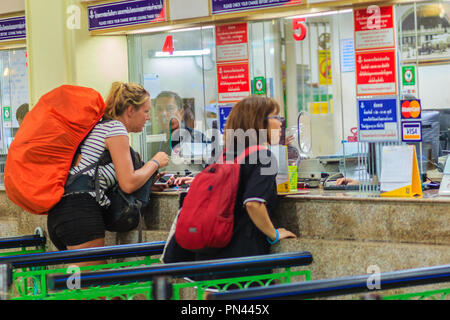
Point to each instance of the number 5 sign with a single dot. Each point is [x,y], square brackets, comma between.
[298,25]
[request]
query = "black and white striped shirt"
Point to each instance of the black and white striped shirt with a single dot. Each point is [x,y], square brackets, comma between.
[91,150]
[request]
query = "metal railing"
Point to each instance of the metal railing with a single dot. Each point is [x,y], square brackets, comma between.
[347,285]
[23,243]
[30,271]
[130,282]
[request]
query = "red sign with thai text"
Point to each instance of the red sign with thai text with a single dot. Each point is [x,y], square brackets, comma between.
[232,42]
[233,81]
[375,73]
[374,27]
[231,34]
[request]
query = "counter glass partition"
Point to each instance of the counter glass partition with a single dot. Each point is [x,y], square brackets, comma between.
[309,65]
[13,96]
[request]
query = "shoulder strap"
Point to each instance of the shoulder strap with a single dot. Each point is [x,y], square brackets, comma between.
[245,153]
[250,150]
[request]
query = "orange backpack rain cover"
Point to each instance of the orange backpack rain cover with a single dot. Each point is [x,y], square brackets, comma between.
[41,154]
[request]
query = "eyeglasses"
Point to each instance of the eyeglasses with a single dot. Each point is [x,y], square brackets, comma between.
[278,117]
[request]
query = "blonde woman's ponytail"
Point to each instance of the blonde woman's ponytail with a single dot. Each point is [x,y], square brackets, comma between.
[121,96]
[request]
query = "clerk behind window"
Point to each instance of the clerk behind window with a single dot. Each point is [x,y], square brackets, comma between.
[176,122]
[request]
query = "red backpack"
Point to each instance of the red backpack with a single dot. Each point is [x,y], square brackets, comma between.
[40,156]
[206,218]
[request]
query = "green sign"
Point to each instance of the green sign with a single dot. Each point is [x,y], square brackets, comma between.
[409,75]
[259,85]
[7,114]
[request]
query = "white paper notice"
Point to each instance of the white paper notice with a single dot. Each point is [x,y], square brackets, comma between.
[152,84]
[396,167]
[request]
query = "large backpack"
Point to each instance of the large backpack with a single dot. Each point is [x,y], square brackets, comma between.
[41,154]
[206,219]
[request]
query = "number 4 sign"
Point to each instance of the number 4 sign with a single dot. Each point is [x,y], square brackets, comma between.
[168,45]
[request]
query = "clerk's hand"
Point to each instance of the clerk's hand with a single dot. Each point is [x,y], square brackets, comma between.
[346,181]
[290,139]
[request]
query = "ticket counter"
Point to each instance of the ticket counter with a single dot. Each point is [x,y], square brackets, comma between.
[311,60]
[346,79]
[347,233]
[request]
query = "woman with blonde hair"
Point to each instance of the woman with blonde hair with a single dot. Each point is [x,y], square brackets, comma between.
[76,222]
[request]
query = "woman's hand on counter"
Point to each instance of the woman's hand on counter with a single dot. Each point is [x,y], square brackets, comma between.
[285,234]
[164,186]
[183,180]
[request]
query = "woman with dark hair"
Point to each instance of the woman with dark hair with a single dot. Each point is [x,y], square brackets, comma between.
[252,121]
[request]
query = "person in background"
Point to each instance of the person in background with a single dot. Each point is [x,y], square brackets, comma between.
[176,122]
[21,112]
[76,222]
[253,230]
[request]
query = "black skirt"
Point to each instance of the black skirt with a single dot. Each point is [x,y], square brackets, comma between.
[75,219]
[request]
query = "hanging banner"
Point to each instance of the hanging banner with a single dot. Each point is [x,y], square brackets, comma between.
[225,6]
[231,42]
[125,13]
[376,73]
[377,120]
[13,29]
[233,82]
[374,28]
[325,67]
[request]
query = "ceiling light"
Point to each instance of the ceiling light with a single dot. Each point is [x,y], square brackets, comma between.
[182,53]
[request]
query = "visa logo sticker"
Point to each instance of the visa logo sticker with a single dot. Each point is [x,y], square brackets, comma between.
[411,131]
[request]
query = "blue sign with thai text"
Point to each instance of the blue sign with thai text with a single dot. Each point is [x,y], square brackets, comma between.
[223,6]
[224,111]
[125,13]
[378,120]
[13,28]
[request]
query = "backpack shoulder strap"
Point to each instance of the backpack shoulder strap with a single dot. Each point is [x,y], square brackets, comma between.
[250,150]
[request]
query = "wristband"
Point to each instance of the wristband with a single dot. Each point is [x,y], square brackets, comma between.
[276,239]
[157,163]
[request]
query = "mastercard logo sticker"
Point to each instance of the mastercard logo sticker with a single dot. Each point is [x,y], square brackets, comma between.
[411,109]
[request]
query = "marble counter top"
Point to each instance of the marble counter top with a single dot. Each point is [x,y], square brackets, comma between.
[320,194]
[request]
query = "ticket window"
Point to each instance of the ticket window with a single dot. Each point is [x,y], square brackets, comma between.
[288,68]
[314,76]
[14,98]
[178,70]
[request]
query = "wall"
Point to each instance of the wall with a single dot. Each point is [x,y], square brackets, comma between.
[11,6]
[61,50]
